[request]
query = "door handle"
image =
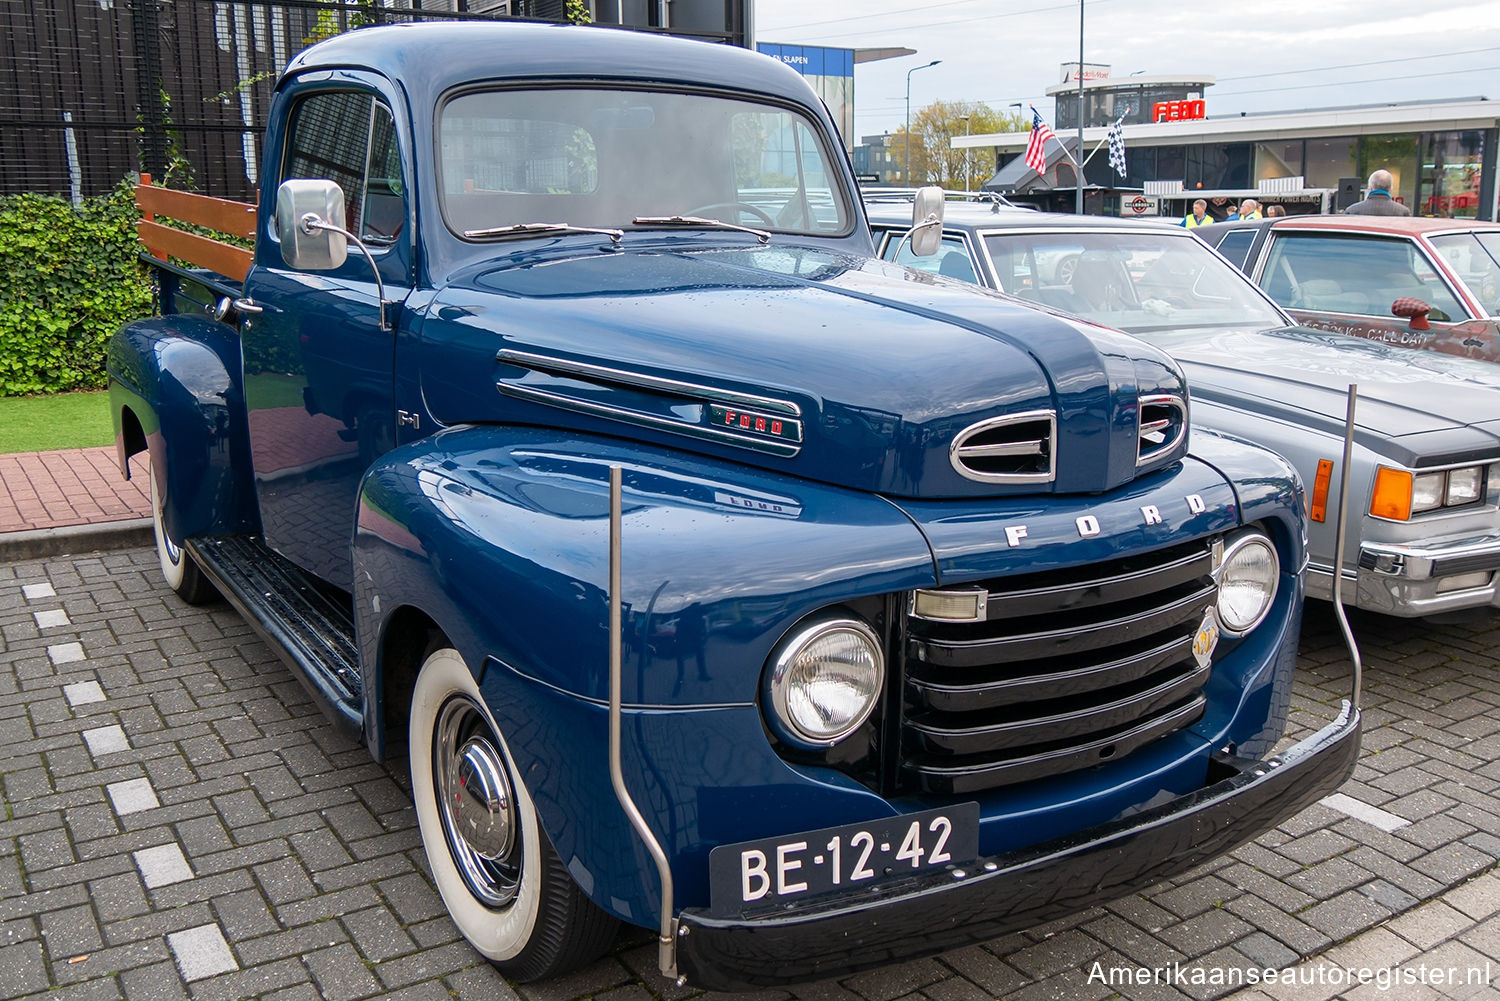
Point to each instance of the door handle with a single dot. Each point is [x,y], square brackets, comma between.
[247,306]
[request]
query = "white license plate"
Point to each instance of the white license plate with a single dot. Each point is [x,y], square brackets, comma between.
[770,872]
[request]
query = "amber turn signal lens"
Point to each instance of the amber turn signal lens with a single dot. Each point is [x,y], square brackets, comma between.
[1318,509]
[1391,497]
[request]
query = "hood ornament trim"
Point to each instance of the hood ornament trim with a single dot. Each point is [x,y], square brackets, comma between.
[1025,442]
[1159,433]
[710,413]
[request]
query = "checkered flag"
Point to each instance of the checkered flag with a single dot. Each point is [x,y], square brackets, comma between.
[1117,146]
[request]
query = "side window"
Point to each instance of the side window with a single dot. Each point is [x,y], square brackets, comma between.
[349,138]
[1236,245]
[1353,274]
[952,258]
[1475,258]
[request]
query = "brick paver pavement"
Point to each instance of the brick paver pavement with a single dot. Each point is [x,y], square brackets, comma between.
[178,822]
[80,486]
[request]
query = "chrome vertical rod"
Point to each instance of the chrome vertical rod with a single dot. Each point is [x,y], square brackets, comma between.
[1338,547]
[666,958]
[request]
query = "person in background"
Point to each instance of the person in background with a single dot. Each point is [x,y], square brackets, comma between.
[1250,209]
[1275,211]
[1378,200]
[1198,217]
[1219,209]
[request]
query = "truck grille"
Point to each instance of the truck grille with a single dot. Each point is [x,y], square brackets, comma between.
[1067,670]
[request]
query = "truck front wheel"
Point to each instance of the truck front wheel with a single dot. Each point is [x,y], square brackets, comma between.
[498,875]
[177,567]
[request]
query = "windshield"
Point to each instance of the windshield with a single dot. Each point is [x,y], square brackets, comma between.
[604,158]
[1475,259]
[1137,282]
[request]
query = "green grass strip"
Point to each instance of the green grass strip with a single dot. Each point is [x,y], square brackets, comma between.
[43,423]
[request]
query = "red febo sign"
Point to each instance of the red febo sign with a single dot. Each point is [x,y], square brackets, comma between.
[1177,111]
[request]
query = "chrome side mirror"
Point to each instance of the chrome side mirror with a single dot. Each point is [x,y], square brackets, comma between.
[308,214]
[927,221]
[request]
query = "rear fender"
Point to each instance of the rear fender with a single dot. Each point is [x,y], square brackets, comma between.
[174,386]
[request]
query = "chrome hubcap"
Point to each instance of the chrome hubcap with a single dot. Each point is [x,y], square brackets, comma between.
[481,800]
[476,802]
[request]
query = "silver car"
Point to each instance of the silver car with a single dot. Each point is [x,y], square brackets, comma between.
[1424,505]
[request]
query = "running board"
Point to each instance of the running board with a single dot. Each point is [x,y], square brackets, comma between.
[311,633]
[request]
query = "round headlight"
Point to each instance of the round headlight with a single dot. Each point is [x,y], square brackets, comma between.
[1247,582]
[826,679]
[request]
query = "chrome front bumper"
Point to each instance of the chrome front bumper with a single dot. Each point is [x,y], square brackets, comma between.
[1416,580]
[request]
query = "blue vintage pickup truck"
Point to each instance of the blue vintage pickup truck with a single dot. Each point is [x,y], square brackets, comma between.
[566,438]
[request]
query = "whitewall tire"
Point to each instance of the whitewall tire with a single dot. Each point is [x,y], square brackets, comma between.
[178,569]
[498,875]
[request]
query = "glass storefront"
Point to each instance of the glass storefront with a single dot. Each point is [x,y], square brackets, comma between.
[1278,159]
[1451,165]
[1435,173]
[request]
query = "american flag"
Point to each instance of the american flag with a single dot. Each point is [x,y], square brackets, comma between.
[1117,146]
[1036,146]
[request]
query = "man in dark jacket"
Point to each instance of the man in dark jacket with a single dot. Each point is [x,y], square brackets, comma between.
[1378,200]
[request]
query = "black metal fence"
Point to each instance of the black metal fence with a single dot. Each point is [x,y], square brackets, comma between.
[93,90]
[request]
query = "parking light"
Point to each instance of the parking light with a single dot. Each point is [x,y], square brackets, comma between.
[1391,497]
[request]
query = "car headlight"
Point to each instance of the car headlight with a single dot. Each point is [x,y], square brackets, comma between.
[1464,486]
[1399,494]
[1247,578]
[826,680]
[1427,492]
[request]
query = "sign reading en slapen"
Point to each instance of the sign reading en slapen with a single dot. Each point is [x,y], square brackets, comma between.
[1178,111]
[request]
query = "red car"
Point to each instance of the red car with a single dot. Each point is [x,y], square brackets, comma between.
[1421,283]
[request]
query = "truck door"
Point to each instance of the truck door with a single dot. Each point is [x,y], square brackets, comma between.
[318,365]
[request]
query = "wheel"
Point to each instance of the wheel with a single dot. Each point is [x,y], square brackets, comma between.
[711,210]
[497,873]
[182,575]
[1065,269]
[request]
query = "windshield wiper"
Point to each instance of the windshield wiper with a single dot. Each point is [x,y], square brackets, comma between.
[699,222]
[530,228]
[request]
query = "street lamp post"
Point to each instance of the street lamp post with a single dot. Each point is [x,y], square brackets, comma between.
[908,118]
[966,153]
[1079,164]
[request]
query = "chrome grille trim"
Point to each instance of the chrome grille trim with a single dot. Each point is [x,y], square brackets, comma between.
[1162,424]
[1071,668]
[1028,440]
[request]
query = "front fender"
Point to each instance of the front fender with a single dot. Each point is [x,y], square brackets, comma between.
[501,536]
[174,385]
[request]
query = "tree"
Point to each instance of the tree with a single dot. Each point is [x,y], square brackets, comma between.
[933,160]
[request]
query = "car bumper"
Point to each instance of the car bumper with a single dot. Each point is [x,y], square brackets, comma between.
[993,896]
[1425,580]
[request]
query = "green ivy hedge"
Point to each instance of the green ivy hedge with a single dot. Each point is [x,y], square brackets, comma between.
[69,279]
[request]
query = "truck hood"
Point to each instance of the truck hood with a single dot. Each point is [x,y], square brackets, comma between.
[1432,407]
[827,366]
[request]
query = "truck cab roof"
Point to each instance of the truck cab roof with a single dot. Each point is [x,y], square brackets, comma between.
[430,58]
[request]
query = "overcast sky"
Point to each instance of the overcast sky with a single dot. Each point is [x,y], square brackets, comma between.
[1266,55]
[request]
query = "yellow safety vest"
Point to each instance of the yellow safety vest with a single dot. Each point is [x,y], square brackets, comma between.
[1191,222]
